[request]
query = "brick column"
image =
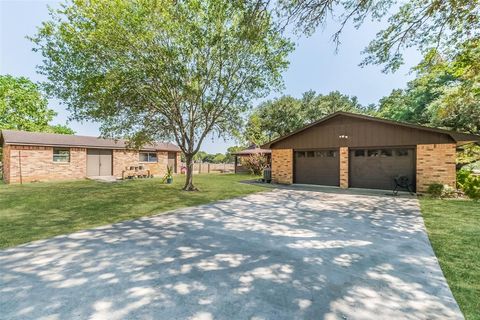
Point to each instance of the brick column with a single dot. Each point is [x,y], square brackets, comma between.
[282,166]
[344,167]
[435,164]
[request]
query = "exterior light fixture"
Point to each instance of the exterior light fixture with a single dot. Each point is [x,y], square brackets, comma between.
[343,136]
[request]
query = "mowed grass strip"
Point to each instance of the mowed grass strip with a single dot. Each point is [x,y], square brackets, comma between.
[454,230]
[42,210]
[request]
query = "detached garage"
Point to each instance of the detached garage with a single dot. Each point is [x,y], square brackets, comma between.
[358,151]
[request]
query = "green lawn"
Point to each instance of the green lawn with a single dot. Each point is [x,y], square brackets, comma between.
[454,230]
[42,210]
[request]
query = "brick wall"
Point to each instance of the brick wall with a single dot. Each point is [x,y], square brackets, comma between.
[127,158]
[282,166]
[123,159]
[179,162]
[435,164]
[37,164]
[344,167]
[6,163]
[159,168]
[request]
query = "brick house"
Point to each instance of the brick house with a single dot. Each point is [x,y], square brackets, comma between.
[357,151]
[31,156]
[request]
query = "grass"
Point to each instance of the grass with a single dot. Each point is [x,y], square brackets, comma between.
[454,230]
[42,210]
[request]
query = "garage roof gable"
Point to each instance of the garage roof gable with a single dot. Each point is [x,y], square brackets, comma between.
[458,137]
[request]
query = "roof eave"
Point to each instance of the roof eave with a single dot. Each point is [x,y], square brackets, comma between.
[248,153]
[17,143]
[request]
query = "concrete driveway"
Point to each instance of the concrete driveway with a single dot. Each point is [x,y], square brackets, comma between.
[282,254]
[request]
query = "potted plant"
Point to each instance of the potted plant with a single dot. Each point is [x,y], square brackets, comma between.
[169,175]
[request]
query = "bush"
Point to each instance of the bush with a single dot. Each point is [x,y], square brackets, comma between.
[469,183]
[255,163]
[471,187]
[448,192]
[435,190]
[462,175]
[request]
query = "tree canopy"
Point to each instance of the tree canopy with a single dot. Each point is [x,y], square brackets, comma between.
[23,107]
[157,69]
[426,24]
[445,93]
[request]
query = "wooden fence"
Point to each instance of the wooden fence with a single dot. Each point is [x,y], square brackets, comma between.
[212,167]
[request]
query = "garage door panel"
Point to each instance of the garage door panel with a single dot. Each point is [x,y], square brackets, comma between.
[99,162]
[105,162]
[93,162]
[377,168]
[320,167]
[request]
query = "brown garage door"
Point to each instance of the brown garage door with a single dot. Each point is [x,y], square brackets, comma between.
[99,162]
[377,168]
[317,167]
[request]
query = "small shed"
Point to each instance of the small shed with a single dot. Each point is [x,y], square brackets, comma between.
[251,150]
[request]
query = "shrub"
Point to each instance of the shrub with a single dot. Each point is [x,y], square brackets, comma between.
[448,192]
[255,163]
[471,187]
[435,190]
[469,183]
[462,175]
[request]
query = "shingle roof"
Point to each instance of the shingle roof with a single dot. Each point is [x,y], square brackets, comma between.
[253,149]
[65,140]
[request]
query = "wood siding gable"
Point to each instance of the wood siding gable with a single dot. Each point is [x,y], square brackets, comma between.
[346,131]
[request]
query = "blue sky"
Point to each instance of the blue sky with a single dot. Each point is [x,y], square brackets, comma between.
[314,64]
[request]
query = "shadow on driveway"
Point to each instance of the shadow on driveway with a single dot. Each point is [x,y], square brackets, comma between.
[281,254]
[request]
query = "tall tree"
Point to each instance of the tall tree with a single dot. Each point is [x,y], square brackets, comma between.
[161,69]
[445,92]
[426,24]
[457,105]
[23,107]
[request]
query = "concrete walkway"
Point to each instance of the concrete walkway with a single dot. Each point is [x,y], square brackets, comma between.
[281,254]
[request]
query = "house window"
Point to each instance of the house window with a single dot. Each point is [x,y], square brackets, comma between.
[300,154]
[148,157]
[61,155]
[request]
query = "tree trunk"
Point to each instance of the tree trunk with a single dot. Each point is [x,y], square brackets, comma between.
[189,176]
